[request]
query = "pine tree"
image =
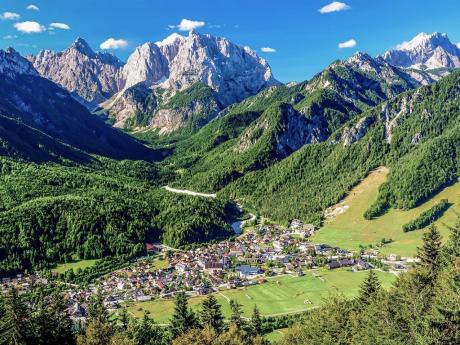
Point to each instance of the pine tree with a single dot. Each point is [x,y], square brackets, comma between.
[61,324]
[124,319]
[429,254]
[97,310]
[369,288]
[14,322]
[183,319]
[256,322]
[148,333]
[236,318]
[211,314]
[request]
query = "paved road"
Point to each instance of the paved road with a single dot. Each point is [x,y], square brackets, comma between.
[189,192]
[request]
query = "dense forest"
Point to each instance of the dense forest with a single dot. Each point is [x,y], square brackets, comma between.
[55,213]
[415,134]
[422,307]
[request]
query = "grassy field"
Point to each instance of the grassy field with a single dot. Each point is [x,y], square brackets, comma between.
[160,263]
[279,295]
[61,268]
[350,229]
[276,335]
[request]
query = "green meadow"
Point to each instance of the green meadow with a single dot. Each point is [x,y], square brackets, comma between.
[279,295]
[349,229]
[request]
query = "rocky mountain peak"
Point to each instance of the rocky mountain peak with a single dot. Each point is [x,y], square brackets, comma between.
[83,47]
[91,77]
[425,52]
[12,63]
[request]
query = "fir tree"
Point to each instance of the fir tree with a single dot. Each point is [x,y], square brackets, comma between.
[211,314]
[148,333]
[183,319]
[236,318]
[14,322]
[429,254]
[124,319]
[369,288]
[256,322]
[97,310]
[61,324]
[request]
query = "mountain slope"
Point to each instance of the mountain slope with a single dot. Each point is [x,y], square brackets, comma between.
[280,120]
[56,122]
[91,77]
[415,134]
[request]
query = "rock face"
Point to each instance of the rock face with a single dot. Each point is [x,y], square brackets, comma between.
[179,62]
[158,71]
[180,65]
[91,77]
[425,52]
[12,64]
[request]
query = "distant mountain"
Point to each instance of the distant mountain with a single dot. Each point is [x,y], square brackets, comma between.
[178,62]
[425,52]
[40,121]
[159,72]
[91,77]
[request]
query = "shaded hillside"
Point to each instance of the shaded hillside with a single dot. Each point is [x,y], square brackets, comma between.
[272,125]
[416,135]
[49,111]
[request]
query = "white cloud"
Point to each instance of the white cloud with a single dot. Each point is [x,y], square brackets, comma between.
[458,45]
[268,50]
[9,16]
[347,44]
[33,8]
[29,27]
[61,26]
[112,43]
[10,37]
[187,25]
[335,6]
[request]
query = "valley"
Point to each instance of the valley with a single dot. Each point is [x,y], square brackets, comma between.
[184,195]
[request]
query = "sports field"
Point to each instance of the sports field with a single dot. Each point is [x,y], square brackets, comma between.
[349,229]
[279,295]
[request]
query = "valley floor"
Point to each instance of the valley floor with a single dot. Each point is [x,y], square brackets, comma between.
[279,295]
[348,228]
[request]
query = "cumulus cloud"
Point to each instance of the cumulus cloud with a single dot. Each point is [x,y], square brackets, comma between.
[33,8]
[458,45]
[29,27]
[268,50]
[187,24]
[347,44]
[335,6]
[112,43]
[61,26]
[9,16]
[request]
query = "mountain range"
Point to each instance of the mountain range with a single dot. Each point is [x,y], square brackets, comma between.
[141,92]
[284,151]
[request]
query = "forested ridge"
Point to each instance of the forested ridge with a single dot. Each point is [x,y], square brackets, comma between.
[415,134]
[53,213]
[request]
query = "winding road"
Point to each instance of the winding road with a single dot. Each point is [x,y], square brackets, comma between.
[189,192]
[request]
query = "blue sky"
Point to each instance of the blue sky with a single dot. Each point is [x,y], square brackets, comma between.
[305,39]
